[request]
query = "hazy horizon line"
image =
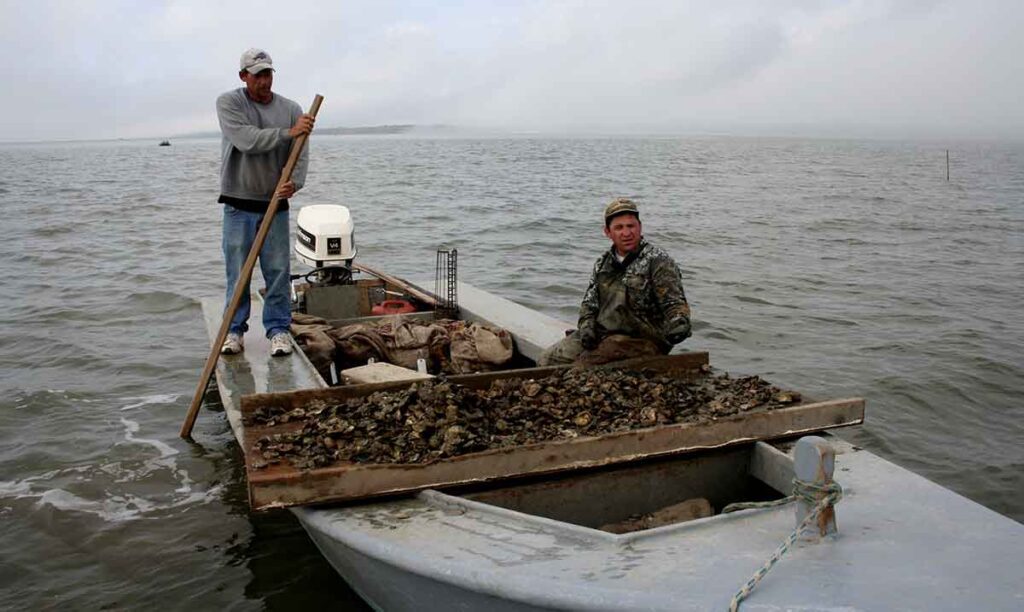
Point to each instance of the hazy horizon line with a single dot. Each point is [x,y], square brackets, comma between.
[786,131]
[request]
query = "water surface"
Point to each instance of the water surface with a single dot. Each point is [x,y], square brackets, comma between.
[839,268]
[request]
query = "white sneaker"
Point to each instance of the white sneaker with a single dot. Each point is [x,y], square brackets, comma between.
[233,344]
[281,344]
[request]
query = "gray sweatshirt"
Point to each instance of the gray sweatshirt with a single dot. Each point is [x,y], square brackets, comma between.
[256,144]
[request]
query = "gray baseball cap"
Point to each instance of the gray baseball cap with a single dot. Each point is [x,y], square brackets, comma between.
[255,61]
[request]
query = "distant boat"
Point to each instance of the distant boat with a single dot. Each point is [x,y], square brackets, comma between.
[165,143]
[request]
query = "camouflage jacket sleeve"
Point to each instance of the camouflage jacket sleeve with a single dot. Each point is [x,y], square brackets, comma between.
[590,305]
[668,290]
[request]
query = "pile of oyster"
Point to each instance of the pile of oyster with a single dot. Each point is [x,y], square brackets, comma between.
[437,419]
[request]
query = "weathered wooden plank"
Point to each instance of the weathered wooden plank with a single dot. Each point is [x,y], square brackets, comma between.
[680,366]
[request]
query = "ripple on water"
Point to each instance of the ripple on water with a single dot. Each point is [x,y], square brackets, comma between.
[136,477]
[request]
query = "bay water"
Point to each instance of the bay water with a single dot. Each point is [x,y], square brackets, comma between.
[837,268]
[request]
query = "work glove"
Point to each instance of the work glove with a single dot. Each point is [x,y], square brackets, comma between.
[588,337]
[680,332]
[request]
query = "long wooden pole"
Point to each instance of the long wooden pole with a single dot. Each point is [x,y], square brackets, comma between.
[243,279]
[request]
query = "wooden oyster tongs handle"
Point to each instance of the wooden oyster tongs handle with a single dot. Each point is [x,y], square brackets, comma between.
[243,278]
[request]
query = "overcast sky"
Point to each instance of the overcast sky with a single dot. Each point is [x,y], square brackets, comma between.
[888,68]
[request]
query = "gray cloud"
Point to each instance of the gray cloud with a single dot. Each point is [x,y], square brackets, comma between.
[875,67]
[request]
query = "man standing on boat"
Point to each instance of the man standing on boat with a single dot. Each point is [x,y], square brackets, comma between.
[635,304]
[258,127]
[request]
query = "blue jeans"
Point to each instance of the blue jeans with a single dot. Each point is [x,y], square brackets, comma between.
[239,233]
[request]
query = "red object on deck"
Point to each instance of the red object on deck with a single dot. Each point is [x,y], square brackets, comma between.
[393,307]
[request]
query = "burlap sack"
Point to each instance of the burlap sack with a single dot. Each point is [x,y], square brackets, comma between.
[356,344]
[447,346]
[311,335]
[412,339]
[479,348]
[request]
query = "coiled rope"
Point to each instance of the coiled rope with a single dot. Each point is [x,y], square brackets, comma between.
[820,496]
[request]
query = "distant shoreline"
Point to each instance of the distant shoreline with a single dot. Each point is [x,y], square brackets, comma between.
[449,130]
[373,129]
[334,131]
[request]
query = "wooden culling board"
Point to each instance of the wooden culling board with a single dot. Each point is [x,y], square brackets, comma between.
[279,485]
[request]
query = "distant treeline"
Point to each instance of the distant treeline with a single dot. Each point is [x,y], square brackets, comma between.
[373,129]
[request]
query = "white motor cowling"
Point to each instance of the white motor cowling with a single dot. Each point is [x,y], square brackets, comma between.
[325,236]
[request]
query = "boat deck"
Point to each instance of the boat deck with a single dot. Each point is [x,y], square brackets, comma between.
[904,542]
[254,370]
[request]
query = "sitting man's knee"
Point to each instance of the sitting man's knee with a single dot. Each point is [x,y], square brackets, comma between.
[563,352]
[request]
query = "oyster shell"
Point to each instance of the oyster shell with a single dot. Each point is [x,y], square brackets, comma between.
[436,419]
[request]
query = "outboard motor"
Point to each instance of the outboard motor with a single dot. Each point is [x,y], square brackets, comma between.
[325,241]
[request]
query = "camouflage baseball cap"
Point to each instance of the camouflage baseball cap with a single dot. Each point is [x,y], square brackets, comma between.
[619,206]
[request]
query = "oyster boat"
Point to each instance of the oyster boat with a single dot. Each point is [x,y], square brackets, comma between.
[903,542]
[578,528]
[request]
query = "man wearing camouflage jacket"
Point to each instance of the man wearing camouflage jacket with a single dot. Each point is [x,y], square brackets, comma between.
[635,304]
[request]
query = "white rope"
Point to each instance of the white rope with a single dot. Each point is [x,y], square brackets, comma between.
[821,495]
